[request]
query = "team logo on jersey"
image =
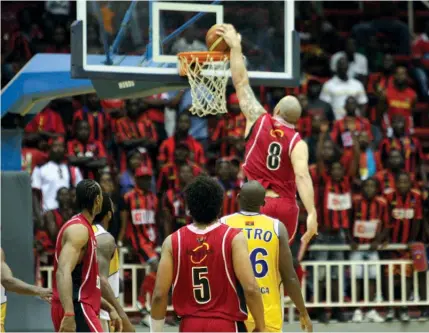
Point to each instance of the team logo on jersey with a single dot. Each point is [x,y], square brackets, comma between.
[200,253]
[275,133]
[249,223]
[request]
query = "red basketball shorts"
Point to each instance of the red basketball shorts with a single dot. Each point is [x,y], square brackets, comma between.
[284,210]
[85,317]
[199,324]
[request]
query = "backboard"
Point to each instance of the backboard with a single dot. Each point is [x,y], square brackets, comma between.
[119,44]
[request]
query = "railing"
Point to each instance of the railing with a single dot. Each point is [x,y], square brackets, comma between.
[346,275]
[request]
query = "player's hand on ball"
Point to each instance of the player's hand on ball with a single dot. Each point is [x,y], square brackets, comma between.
[311,227]
[230,35]
[306,324]
[68,324]
[115,320]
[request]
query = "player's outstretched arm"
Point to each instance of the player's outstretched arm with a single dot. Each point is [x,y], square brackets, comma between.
[75,238]
[10,283]
[290,279]
[164,280]
[249,105]
[105,250]
[244,272]
[304,184]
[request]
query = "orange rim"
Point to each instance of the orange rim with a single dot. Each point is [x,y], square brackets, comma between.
[199,57]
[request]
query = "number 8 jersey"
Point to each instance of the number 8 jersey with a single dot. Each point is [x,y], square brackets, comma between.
[269,145]
[204,282]
[262,232]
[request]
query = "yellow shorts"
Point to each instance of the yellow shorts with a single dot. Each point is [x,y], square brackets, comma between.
[250,325]
[3,316]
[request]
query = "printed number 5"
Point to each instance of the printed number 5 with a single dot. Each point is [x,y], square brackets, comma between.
[260,266]
[200,284]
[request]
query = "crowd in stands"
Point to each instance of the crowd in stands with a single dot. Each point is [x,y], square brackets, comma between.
[365,120]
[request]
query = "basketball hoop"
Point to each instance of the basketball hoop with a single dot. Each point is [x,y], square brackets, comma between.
[207,74]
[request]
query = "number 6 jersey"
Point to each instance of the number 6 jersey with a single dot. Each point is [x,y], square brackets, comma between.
[268,148]
[261,232]
[204,282]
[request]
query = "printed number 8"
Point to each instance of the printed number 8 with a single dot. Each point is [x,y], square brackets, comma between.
[273,158]
[260,266]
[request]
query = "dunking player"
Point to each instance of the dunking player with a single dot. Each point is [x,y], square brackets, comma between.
[108,265]
[208,265]
[270,256]
[76,296]
[275,154]
[11,283]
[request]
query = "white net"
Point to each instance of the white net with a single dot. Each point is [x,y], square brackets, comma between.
[208,81]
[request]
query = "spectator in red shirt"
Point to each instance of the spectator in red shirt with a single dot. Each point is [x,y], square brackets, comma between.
[223,176]
[401,99]
[45,125]
[32,156]
[350,124]
[229,129]
[168,175]
[174,212]
[369,225]
[387,177]
[378,82]
[93,113]
[89,155]
[135,133]
[166,151]
[409,145]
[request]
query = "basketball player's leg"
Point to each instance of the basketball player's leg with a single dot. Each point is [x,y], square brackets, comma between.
[199,324]
[286,212]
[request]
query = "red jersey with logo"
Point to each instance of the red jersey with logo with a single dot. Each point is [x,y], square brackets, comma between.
[85,278]
[405,211]
[409,146]
[369,218]
[205,284]
[268,149]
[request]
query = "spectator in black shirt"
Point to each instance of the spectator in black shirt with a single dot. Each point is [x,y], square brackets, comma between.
[315,104]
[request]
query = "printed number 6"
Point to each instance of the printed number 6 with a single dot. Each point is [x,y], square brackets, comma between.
[260,266]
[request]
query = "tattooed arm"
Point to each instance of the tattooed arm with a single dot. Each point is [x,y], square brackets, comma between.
[249,105]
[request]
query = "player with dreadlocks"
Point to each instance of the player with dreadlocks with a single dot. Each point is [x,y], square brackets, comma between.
[76,297]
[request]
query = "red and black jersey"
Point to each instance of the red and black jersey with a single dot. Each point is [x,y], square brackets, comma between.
[349,124]
[168,146]
[47,121]
[142,209]
[230,125]
[404,212]
[127,129]
[337,203]
[91,149]
[168,177]
[409,146]
[369,218]
[230,202]
[98,123]
[304,127]
[174,201]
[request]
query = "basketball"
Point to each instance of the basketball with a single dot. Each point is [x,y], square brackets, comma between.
[215,42]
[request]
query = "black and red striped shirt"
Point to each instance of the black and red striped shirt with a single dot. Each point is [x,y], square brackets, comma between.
[409,146]
[231,125]
[386,179]
[168,146]
[174,201]
[98,123]
[352,124]
[168,177]
[92,148]
[404,211]
[142,209]
[369,218]
[230,202]
[337,203]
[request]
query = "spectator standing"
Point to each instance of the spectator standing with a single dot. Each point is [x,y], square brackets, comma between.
[166,151]
[89,155]
[336,90]
[319,129]
[174,211]
[370,160]
[223,176]
[369,225]
[46,124]
[126,178]
[315,104]
[358,63]
[47,179]
[135,133]
[420,52]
